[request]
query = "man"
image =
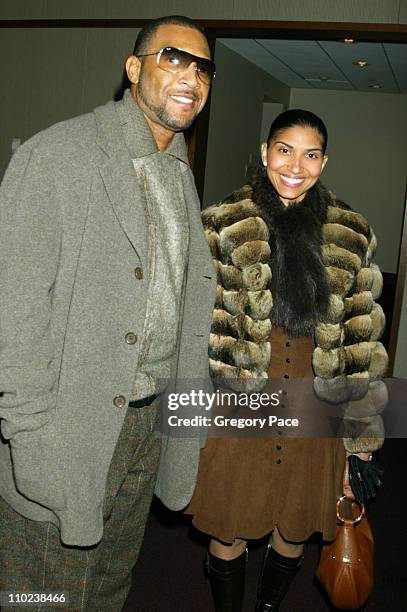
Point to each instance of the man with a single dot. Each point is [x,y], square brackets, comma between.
[104,267]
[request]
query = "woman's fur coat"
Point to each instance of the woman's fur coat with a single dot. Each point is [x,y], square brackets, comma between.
[308,269]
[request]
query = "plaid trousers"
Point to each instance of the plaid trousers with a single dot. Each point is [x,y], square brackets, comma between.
[33,559]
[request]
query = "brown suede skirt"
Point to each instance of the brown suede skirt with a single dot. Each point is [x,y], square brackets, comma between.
[247,486]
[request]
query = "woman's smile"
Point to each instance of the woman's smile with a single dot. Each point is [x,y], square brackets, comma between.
[291,181]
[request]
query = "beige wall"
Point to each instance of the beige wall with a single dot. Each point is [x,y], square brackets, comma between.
[373,11]
[368,152]
[271,110]
[400,363]
[235,122]
[47,75]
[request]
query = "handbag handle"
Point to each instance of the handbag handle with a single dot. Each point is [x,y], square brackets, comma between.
[341,519]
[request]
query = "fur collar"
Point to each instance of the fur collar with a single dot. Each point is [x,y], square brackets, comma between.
[299,282]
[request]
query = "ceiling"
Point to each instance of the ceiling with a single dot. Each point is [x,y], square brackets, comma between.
[328,64]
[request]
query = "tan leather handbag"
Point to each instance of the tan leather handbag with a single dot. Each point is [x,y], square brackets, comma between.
[345,569]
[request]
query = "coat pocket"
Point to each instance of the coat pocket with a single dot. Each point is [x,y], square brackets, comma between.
[38,466]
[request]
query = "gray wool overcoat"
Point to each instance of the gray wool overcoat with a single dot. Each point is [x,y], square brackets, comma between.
[72,232]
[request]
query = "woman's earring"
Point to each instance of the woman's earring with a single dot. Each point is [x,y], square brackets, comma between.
[264,163]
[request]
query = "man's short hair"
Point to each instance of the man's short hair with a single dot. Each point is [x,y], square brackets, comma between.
[145,35]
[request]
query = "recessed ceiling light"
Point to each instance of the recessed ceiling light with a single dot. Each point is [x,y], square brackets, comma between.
[323,79]
[361,63]
[348,41]
[375,86]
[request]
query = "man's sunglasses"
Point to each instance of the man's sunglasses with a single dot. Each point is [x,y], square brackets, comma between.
[176,60]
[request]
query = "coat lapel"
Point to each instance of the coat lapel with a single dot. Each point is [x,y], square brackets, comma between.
[123,135]
[124,193]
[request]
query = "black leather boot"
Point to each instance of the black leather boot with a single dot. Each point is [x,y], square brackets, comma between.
[227,580]
[276,576]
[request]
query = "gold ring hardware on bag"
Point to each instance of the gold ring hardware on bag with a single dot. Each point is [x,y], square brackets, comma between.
[355,520]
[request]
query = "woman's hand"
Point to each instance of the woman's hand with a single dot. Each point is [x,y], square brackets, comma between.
[362,476]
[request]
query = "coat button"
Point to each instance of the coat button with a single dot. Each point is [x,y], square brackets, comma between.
[288,343]
[278,461]
[131,338]
[138,272]
[119,401]
[286,376]
[288,360]
[278,447]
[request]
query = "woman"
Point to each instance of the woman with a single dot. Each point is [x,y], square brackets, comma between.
[295,298]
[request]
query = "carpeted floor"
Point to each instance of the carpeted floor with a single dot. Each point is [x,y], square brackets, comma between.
[169,576]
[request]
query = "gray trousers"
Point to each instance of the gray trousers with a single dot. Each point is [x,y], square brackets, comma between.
[32,557]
